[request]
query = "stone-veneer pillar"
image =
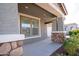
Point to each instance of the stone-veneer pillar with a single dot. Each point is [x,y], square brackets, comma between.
[11,48]
[57,31]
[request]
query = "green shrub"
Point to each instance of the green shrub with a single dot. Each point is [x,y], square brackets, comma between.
[74,32]
[72,44]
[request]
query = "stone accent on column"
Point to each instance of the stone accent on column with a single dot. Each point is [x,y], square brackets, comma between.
[11,48]
[58,37]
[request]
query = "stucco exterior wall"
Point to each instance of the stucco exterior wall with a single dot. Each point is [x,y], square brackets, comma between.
[9,19]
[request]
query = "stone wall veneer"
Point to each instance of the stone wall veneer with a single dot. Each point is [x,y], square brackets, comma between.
[16,52]
[14,45]
[11,48]
[58,37]
[19,43]
[5,48]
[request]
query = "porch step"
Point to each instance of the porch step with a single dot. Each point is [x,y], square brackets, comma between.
[42,48]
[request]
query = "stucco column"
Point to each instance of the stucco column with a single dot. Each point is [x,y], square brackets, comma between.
[54,25]
[57,24]
[60,23]
[57,33]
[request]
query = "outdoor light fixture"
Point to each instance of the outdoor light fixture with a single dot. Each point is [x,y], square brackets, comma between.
[26,7]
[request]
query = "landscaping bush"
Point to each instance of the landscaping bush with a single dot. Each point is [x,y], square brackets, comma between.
[72,44]
[74,32]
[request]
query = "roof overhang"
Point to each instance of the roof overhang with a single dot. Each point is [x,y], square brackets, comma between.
[50,7]
[63,7]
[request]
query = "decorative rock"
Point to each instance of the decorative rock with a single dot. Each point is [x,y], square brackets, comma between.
[17,52]
[20,43]
[14,45]
[5,48]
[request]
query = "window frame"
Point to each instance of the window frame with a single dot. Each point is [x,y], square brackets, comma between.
[33,17]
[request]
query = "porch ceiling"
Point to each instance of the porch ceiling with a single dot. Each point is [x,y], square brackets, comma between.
[34,10]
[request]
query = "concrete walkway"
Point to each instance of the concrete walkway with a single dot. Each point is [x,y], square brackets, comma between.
[42,48]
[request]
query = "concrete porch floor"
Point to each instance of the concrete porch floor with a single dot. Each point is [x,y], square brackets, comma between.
[42,48]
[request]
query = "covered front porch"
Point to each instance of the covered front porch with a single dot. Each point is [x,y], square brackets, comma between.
[42,45]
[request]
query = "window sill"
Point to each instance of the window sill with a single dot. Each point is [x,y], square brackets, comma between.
[11,37]
[32,37]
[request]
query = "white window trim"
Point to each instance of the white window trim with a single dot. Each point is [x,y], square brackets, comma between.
[36,18]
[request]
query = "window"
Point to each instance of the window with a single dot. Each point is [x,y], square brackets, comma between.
[25,26]
[35,27]
[30,26]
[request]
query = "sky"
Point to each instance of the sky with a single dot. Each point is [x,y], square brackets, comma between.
[73,13]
